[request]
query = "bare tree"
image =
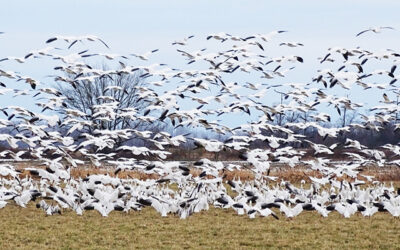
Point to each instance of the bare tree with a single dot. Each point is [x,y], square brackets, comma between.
[121,89]
[347,117]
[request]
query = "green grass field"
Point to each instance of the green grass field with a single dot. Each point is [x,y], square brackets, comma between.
[30,228]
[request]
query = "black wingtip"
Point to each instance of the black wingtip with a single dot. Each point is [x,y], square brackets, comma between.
[72,44]
[51,40]
[104,43]
[28,55]
[300,59]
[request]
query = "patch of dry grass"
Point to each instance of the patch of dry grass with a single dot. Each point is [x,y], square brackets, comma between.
[294,175]
[29,228]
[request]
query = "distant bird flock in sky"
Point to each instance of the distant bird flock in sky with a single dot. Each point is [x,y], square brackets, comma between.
[206,89]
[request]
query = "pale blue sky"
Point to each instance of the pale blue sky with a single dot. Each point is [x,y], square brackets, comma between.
[138,26]
[129,24]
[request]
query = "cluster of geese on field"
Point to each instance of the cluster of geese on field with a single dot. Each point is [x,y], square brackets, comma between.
[179,193]
[61,137]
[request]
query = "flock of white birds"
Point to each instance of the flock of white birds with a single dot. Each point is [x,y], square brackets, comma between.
[208,86]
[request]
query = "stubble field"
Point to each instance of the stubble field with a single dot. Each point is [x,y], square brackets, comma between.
[217,228]
[30,228]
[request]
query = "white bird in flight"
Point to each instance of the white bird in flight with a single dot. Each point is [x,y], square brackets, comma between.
[375,30]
